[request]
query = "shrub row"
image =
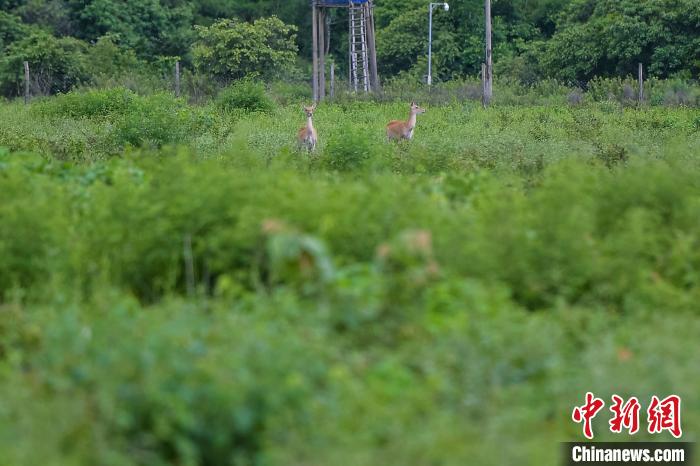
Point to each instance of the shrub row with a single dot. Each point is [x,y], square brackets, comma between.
[582,234]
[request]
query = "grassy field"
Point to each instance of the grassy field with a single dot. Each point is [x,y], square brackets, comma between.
[180,285]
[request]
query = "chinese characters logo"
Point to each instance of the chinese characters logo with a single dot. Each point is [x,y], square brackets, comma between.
[661,415]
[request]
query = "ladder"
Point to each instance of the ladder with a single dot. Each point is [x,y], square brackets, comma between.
[359,54]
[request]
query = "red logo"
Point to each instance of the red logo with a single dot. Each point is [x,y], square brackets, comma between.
[626,415]
[587,412]
[661,415]
[665,415]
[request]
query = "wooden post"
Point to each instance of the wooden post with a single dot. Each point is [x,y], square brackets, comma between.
[483,85]
[26,82]
[332,79]
[641,84]
[314,47]
[371,43]
[321,52]
[177,79]
[488,88]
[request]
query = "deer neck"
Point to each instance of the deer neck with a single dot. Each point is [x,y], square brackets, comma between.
[411,123]
[310,123]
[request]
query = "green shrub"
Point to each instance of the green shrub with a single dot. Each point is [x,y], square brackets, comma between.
[218,397]
[155,121]
[351,149]
[88,104]
[27,246]
[672,92]
[246,95]
[151,121]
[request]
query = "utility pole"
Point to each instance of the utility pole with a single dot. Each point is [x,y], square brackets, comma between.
[446,7]
[488,78]
[430,45]
[314,33]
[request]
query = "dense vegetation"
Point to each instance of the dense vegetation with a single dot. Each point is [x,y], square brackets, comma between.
[180,285]
[69,42]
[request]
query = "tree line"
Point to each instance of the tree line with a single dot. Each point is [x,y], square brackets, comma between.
[68,42]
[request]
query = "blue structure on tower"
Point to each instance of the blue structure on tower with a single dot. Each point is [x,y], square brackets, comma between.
[362,52]
[333,3]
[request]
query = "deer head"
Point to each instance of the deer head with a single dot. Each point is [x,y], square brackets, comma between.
[310,111]
[416,110]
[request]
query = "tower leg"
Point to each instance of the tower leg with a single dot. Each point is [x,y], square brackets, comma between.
[371,43]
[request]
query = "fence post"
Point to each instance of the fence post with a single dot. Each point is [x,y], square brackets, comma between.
[177,79]
[26,82]
[641,84]
[484,103]
[332,80]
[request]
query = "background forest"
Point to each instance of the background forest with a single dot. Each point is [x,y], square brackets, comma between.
[71,42]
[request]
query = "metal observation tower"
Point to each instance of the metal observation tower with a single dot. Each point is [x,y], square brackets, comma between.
[362,51]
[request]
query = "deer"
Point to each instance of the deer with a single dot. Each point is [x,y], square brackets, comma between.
[397,129]
[308,137]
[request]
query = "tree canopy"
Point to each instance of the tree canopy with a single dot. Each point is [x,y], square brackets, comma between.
[230,49]
[571,40]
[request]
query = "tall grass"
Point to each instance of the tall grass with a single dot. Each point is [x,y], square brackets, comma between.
[461,136]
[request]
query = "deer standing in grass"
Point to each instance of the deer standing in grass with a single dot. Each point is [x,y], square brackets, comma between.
[307,135]
[397,129]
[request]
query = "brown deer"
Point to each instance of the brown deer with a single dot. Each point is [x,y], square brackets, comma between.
[308,137]
[398,129]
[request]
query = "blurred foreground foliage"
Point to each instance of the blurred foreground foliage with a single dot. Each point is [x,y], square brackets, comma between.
[360,318]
